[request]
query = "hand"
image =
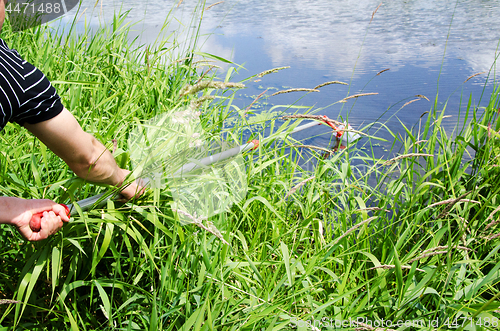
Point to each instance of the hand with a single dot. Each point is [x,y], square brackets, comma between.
[53,216]
[133,190]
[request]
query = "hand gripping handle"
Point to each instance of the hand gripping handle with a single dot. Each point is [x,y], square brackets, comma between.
[36,219]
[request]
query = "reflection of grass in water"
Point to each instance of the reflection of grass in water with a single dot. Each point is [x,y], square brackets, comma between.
[420,244]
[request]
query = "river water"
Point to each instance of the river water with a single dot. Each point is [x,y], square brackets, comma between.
[427,45]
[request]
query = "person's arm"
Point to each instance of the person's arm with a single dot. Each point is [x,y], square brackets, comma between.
[84,154]
[18,212]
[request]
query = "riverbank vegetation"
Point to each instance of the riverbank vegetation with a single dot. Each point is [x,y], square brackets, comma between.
[346,239]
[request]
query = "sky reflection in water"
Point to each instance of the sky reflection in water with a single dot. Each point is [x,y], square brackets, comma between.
[324,40]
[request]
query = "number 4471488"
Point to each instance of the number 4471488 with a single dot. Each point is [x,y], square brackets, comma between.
[31,8]
[464,321]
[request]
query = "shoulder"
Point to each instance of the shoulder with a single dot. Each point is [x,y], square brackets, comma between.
[9,54]
[11,63]
[26,95]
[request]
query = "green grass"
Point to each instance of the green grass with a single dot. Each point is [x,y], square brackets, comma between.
[289,261]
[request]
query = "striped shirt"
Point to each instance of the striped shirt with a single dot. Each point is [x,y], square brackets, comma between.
[26,95]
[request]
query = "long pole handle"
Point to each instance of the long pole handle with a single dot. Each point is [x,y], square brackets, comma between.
[206,161]
[305,126]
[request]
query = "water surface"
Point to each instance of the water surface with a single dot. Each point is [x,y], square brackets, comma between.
[429,46]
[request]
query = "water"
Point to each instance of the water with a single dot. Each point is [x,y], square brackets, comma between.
[427,45]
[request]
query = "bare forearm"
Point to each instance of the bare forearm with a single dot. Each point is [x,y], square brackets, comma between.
[102,167]
[83,153]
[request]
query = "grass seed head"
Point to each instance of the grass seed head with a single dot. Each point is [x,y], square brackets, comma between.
[270,71]
[329,83]
[354,228]
[489,238]
[409,102]
[391,266]
[8,302]
[470,77]
[422,97]
[299,185]
[199,222]
[372,208]
[195,104]
[381,71]
[204,84]
[357,96]
[423,256]
[294,90]
[213,5]
[373,14]
[448,201]
[497,209]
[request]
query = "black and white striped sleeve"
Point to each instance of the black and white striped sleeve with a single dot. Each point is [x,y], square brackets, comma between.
[26,95]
